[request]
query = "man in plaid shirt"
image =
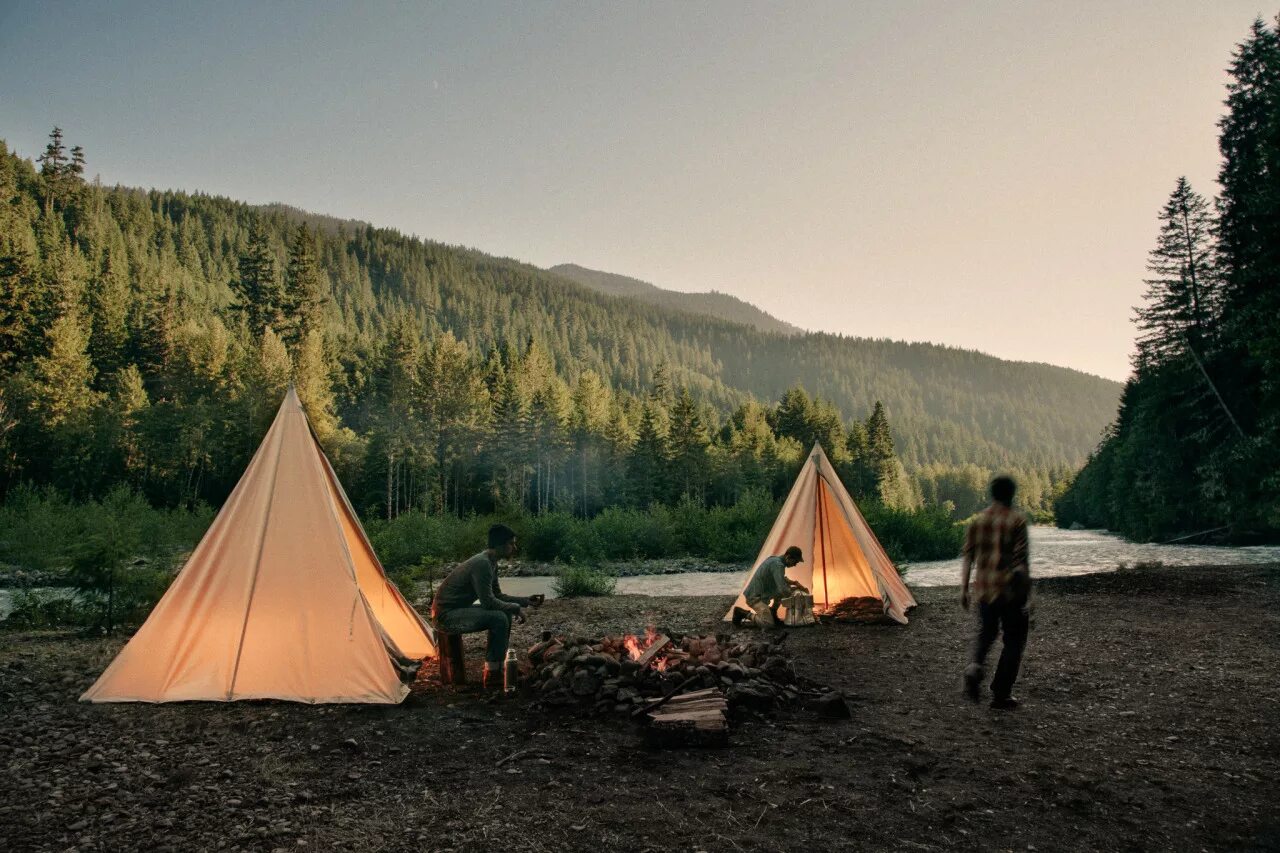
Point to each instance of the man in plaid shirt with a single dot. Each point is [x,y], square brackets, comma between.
[996,545]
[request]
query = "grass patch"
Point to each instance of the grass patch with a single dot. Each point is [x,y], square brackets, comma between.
[583,582]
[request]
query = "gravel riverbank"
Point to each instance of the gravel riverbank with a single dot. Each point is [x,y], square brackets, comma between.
[1150,720]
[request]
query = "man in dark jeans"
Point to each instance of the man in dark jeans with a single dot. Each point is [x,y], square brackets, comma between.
[469,600]
[996,546]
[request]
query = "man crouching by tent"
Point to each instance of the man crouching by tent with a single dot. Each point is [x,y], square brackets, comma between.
[767,587]
[455,607]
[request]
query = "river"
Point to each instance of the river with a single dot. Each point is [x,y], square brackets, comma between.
[1054,553]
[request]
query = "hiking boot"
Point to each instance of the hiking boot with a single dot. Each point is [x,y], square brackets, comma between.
[1004,703]
[973,682]
[739,614]
[491,680]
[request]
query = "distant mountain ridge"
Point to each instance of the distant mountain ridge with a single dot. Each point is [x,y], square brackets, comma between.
[722,306]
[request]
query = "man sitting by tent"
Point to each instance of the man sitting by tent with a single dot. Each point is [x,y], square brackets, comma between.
[455,607]
[767,587]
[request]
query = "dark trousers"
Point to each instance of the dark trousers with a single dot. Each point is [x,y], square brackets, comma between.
[473,619]
[1009,617]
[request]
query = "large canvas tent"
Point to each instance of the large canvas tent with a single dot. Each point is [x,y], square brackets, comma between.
[842,557]
[282,599]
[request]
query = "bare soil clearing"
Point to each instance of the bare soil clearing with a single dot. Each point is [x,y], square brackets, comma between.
[1150,721]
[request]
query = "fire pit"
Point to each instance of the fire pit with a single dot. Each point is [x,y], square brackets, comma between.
[682,687]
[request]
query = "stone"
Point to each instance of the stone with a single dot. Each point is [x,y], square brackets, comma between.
[584,683]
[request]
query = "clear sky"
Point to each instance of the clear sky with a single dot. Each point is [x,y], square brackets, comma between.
[982,174]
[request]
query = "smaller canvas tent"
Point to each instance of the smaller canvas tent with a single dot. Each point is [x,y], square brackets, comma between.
[282,599]
[842,558]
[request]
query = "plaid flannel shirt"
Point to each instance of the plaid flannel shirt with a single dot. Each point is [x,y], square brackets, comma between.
[996,545]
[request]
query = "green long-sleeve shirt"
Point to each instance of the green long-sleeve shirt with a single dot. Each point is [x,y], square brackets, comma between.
[472,581]
[768,582]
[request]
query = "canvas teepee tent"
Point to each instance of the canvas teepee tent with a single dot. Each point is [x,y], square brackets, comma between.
[282,599]
[842,558]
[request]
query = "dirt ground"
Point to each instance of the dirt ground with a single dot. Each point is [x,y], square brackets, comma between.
[1151,706]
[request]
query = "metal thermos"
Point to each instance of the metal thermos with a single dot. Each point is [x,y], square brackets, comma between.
[510,671]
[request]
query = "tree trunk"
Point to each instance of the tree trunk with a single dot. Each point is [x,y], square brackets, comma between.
[391,461]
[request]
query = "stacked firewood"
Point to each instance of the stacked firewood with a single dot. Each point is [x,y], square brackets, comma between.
[633,675]
[856,609]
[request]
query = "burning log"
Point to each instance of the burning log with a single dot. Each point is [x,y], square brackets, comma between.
[655,648]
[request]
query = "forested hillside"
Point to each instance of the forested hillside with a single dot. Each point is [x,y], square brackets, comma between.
[147,337]
[1196,445]
[713,304]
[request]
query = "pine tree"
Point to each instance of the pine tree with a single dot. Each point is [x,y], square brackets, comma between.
[399,384]
[64,377]
[21,296]
[647,461]
[882,459]
[794,416]
[511,441]
[312,378]
[454,404]
[259,293]
[109,303]
[687,448]
[1249,232]
[1182,295]
[126,401]
[591,413]
[305,291]
[53,169]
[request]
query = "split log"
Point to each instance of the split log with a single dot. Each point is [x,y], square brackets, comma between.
[688,725]
[697,695]
[656,648]
[658,703]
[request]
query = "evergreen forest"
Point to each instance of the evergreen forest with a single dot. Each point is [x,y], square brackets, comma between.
[146,339]
[1195,449]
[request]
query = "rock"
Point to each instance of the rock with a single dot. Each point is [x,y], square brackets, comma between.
[584,683]
[776,667]
[829,704]
[749,695]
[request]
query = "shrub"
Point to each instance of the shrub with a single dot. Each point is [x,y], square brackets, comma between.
[583,581]
[560,536]
[47,608]
[36,526]
[417,537]
[106,567]
[625,534]
[41,530]
[735,533]
[927,533]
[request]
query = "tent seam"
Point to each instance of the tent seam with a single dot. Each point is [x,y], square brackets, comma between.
[257,566]
[331,478]
[360,598]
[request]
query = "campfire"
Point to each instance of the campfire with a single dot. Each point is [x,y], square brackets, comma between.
[681,686]
[647,651]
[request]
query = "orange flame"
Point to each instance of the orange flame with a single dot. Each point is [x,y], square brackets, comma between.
[636,646]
